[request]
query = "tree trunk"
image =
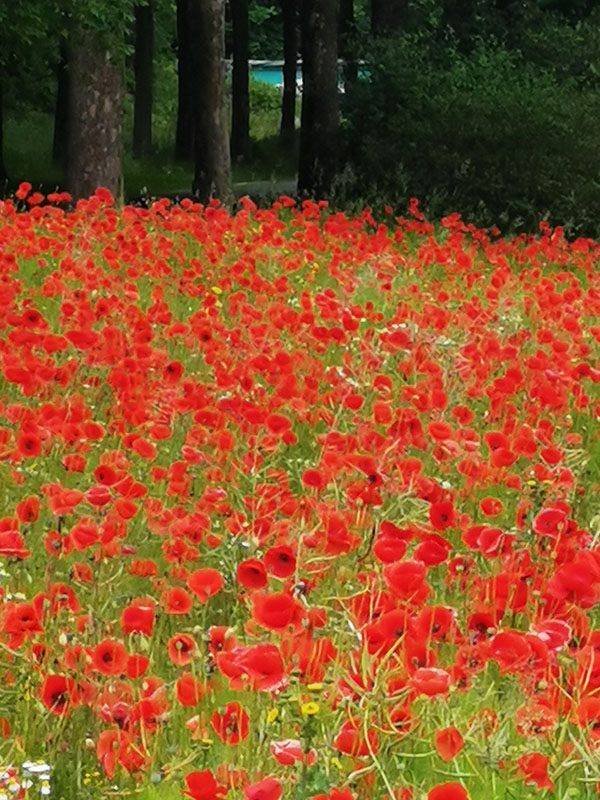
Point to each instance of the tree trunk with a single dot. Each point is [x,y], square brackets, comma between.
[61,109]
[96,83]
[240,82]
[388,17]
[346,44]
[320,102]
[143,64]
[3,175]
[290,66]
[184,136]
[211,143]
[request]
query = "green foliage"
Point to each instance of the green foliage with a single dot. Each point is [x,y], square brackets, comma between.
[265,29]
[264,97]
[488,134]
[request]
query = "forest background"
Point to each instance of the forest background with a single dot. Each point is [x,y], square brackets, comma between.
[487,108]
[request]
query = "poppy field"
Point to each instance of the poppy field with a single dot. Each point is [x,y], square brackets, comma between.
[296,505]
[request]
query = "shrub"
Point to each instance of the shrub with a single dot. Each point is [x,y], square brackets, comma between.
[486,134]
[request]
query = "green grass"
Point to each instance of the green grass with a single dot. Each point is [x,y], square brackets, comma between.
[28,156]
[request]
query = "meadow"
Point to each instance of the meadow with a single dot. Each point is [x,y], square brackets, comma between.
[296,505]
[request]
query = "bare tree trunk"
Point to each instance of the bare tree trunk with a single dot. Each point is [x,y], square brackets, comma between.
[346,45]
[240,82]
[212,157]
[290,66]
[61,110]
[388,17]
[3,174]
[320,101]
[184,136]
[96,83]
[143,64]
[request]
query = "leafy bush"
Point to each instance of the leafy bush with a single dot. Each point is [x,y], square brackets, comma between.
[487,134]
[264,97]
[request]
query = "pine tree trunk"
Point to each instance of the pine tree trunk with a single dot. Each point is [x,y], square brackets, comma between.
[346,44]
[3,174]
[96,84]
[240,82]
[143,64]
[320,102]
[211,143]
[184,136]
[61,110]
[290,66]
[388,17]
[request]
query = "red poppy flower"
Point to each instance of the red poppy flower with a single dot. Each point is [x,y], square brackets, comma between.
[431,681]
[125,508]
[138,617]
[550,522]
[58,694]
[351,741]
[433,550]
[280,560]
[267,789]
[290,751]
[205,583]
[106,751]
[98,496]
[434,623]
[105,475]
[588,715]
[277,612]
[491,507]
[28,510]
[448,791]
[181,649]
[405,578]
[202,785]
[448,742]
[260,665]
[511,650]
[314,479]
[110,657]
[534,766]
[13,544]
[388,549]
[277,424]
[84,534]
[144,448]
[173,371]
[29,445]
[137,665]
[252,574]
[439,431]
[189,690]
[442,515]
[177,601]
[231,725]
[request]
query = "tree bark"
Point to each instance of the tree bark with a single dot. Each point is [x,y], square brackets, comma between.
[184,136]
[388,17]
[143,64]
[61,110]
[3,174]
[211,142]
[320,101]
[240,82]
[346,45]
[96,84]
[290,66]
